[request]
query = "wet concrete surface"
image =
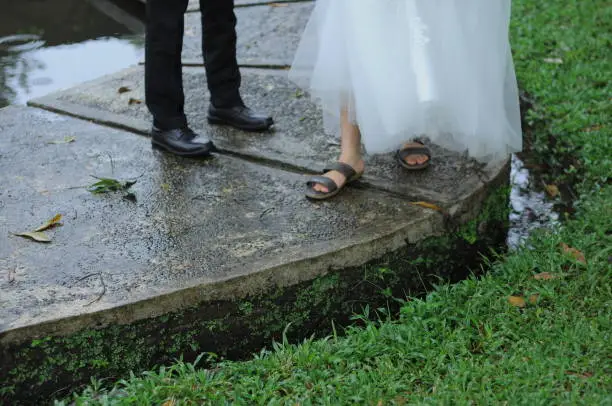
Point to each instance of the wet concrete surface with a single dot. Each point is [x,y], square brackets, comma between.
[297,140]
[268,35]
[194,5]
[194,225]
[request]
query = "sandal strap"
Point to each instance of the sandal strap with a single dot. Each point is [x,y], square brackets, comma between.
[322,180]
[408,151]
[347,170]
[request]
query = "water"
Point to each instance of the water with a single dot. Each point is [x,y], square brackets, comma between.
[530,206]
[54,44]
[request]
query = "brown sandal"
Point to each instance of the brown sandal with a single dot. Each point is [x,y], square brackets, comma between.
[405,152]
[332,188]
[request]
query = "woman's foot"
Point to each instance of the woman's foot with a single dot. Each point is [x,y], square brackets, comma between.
[414,156]
[350,165]
[338,178]
[324,187]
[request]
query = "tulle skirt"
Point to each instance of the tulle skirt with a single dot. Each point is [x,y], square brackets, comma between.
[440,69]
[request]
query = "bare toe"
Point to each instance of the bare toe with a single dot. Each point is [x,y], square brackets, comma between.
[421,159]
[416,158]
[320,188]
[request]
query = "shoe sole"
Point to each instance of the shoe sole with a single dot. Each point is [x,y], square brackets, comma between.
[220,121]
[194,154]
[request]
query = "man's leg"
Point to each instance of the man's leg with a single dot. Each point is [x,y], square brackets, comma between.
[219,50]
[163,70]
[222,72]
[164,81]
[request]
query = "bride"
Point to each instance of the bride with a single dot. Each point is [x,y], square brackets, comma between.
[388,71]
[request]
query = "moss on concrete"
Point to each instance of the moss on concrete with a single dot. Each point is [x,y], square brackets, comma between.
[52,366]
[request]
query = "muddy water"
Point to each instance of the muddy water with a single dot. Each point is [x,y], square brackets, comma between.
[54,44]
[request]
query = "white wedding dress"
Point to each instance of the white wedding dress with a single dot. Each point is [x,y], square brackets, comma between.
[412,68]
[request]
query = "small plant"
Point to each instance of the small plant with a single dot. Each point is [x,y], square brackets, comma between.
[108,185]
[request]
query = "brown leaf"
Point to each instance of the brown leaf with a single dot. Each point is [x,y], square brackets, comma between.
[533,299]
[123,89]
[517,301]
[578,256]
[36,236]
[593,128]
[169,402]
[134,101]
[400,401]
[51,223]
[544,276]
[427,205]
[581,375]
[552,190]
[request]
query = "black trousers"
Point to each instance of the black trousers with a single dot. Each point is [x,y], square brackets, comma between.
[163,47]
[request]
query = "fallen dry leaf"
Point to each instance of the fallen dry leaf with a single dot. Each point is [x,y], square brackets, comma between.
[517,301]
[544,276]
[66,140]
[123,89]
[51,223]
[427,205]
[134,101]
[36,236]
[582,375]
[169,402]
[578,255]
[401,401]
[533,299]
[552,190]
[593,128]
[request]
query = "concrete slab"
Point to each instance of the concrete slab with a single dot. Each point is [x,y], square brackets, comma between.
[274,3]
[194,5]
[268,34]
[199,230]
[298,140]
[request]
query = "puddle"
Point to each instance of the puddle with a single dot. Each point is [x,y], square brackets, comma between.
[56,44]
[531,208]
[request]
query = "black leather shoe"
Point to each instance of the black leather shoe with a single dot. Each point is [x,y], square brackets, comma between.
[182,142]
[240,117]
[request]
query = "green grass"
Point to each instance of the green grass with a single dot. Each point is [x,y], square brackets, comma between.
[570,123]
[466,343]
